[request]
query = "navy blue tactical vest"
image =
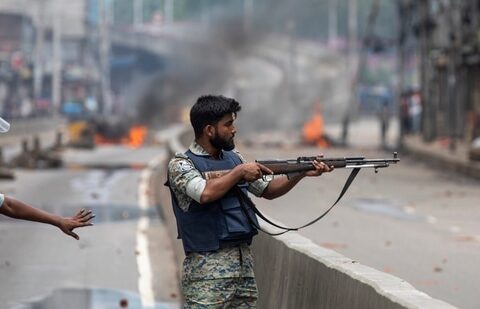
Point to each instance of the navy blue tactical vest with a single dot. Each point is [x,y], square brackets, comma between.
[221,223]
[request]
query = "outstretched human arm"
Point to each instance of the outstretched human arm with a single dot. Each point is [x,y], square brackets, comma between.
[217,187]
[281,185]
[19,210]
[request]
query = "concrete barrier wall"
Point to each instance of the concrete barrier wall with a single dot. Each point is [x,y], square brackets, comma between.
[162,195]
[293,272]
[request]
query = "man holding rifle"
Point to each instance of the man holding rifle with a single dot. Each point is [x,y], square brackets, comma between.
[215,229]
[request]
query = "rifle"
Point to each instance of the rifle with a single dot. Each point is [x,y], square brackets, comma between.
[302,164]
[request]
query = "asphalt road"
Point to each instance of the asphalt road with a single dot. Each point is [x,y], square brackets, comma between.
[126,255]
[409,220]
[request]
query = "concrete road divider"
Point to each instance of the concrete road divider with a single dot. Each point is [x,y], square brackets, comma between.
[293,272]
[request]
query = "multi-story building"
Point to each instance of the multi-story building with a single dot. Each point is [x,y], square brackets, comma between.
[51,36]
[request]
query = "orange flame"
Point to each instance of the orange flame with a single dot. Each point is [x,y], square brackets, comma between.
[136,136]
[313,132]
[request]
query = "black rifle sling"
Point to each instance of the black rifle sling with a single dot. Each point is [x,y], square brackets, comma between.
[246,201]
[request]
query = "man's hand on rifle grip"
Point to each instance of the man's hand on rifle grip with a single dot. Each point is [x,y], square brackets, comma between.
[254,171]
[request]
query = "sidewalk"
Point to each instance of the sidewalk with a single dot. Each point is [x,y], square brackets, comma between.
[440,156]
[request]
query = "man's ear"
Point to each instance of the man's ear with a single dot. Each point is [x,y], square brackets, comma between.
[209,130]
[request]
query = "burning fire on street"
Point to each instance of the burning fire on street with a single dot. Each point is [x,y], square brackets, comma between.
[134,138]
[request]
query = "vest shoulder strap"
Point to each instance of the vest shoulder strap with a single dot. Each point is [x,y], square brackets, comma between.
[199,163]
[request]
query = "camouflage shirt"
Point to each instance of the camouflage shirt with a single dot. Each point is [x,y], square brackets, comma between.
[182,172]
[226,262]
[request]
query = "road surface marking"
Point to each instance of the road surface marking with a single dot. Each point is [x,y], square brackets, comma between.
[143,257]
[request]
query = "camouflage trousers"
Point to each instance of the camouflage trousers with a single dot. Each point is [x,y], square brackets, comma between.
[220,293]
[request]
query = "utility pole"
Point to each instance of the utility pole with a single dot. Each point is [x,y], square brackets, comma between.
[57,56]
[332,22]
[352,55]
[453,25]
[404,15]
[39,43]
[356,71]
[428,113]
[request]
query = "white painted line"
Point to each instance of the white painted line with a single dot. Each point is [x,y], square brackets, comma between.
[144,267]
[145,287]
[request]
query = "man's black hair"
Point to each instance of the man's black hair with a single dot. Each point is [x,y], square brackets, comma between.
[209,109]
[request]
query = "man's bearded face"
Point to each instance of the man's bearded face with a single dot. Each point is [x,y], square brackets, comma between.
[224,133]
[222,143]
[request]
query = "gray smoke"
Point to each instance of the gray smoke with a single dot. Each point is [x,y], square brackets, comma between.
[262,64]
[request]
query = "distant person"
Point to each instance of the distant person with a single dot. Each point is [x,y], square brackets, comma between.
[19,210]
[405,120]
[215,230]
[313,131]
[384,116]
[415,112]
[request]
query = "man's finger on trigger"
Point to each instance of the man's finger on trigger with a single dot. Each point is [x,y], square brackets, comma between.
[265,169]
